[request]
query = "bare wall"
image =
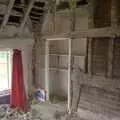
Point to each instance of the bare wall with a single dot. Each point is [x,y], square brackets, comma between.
[25,45]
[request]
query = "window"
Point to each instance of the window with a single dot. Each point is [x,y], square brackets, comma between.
[5,70]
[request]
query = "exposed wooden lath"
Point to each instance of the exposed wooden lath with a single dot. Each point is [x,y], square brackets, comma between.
[7,14]
[26,16]
[19,13]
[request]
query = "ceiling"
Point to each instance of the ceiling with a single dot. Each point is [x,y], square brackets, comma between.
[28,12]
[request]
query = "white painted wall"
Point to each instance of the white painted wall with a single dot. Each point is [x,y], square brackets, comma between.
[25,45]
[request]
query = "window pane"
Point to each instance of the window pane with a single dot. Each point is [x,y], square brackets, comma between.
[4,70]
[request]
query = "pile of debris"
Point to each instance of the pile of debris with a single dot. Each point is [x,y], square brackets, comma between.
[7,113]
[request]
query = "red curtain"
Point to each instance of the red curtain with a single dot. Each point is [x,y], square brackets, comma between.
[18,93]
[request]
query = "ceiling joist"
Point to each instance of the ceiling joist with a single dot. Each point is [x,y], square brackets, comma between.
[26,16]
[7,14]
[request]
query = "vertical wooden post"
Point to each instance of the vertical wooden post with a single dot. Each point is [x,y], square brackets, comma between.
[110,58]
[26,16]
[69,76]
[7,14]
[114,16]
[91,7]
[47,70]
[90,56]
[34,61]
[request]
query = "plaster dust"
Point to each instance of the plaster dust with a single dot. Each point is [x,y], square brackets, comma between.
[48,111]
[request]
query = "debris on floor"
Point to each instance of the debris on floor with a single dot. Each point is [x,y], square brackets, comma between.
[7,113]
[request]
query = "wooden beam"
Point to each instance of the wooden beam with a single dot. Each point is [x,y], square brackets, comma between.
[26,16]
[114,13]
[69,76]
[45,22]
[90,56]
[7,14]
[98,32]
[47,70]
[29,22]
[110,57]
[58,39]
[93,32]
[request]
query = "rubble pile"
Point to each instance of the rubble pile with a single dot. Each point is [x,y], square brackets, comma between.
[7,113]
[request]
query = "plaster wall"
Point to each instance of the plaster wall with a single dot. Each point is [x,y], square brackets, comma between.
[25,45]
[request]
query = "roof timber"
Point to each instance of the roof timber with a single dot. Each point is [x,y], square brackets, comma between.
[26,15]
[91,33]
[6,16]
[98,32]
[29,22]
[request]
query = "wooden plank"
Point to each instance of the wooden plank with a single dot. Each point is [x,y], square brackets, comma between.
[90,56]
[29,22]
[114,13]
[93,32]
[110,57]
[69,75]
[97,107]
[98,32]
[47,70]
[7,14]
[26,16]
[45,22]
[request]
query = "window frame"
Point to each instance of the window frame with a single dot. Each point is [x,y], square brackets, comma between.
[9,67]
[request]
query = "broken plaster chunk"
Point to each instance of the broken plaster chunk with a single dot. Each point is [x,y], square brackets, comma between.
[7,113]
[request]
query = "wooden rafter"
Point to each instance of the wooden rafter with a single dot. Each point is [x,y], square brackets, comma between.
[29,20]
[93,32]
[7,14]
[26,16]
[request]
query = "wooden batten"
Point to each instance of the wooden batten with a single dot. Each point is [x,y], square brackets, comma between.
[90,56]
[114,14]
[110,57]
[7,14]
[47,87]
[26,16]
